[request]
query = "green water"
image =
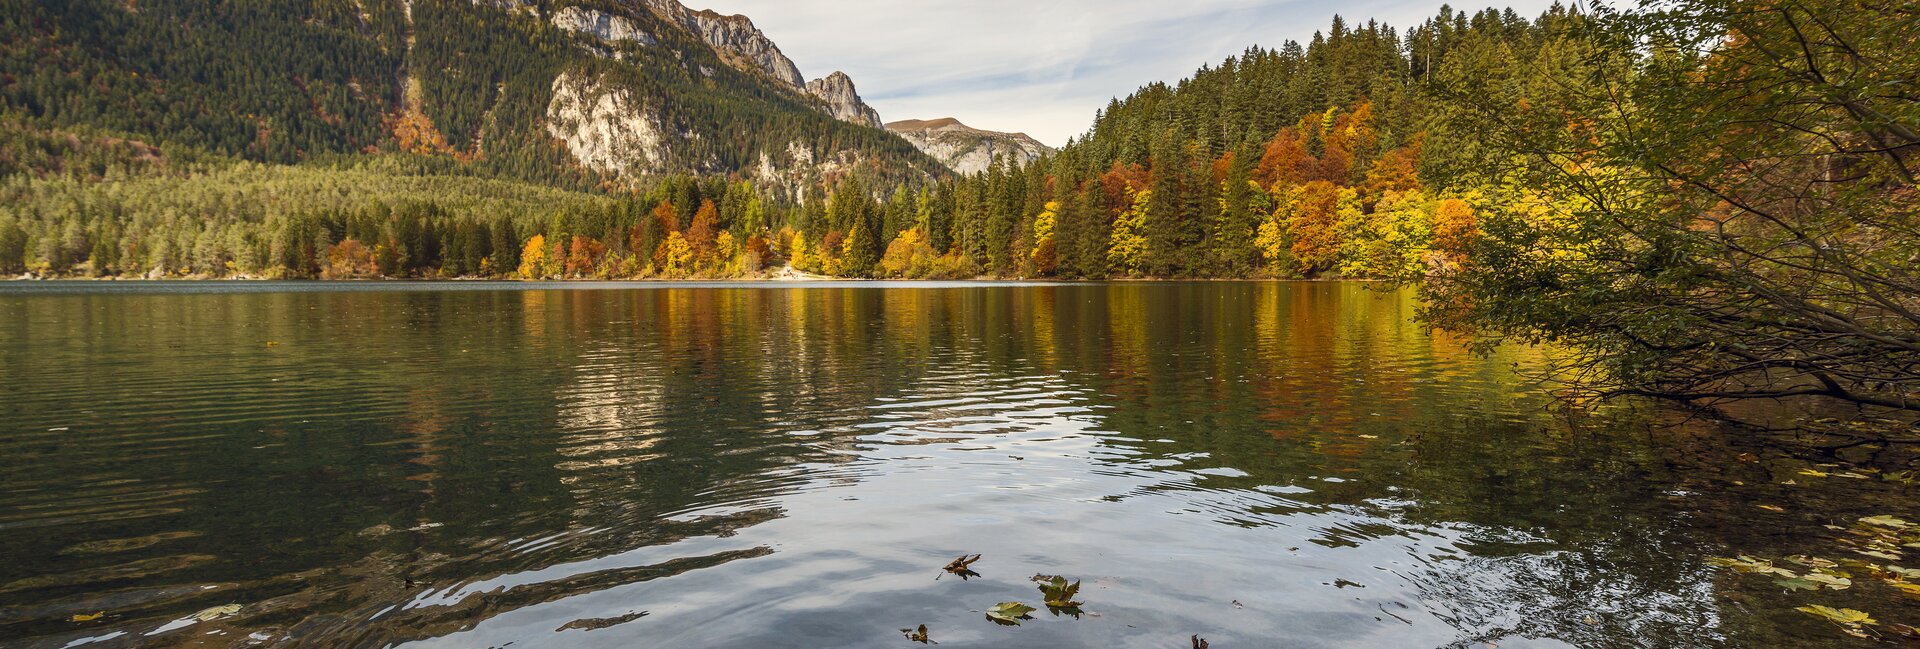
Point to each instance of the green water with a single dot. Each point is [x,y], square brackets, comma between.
[478,465]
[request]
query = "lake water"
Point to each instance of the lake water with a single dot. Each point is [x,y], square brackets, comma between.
[755,466]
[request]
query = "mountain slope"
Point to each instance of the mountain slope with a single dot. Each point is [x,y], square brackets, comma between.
[569,93]
[965,149]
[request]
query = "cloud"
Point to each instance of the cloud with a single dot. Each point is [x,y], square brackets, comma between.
[1042,67]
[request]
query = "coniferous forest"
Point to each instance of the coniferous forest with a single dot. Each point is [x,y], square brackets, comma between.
[1706,206]
[1653,179]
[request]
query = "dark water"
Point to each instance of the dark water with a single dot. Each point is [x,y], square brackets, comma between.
[1265,465]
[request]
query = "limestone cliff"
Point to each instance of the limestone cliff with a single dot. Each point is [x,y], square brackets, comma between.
[600,25]
[607,130]
[965,149]
[843,102]
[735,38]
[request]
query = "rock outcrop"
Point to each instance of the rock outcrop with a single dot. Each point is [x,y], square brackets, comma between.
[738,42]
[843,102]
[607,130]
[965,149]
[604,26]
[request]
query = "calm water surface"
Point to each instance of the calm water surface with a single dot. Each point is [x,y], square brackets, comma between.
[479,465]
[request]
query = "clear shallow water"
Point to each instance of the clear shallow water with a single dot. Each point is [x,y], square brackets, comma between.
[473,465]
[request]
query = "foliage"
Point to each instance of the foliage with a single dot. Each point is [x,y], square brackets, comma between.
[1009,613]
[1729,214]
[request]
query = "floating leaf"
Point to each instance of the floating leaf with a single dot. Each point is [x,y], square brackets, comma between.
[598,623]
[1009,613]
[963,566]
[1904,572]
[1749,564]
[1887,521]
[88,618]
[1850,474]
[1772,508]
[1844,616]
[919,635]
[1830,581]
[1813,473]
[216,612]
[1812,562]
[1879,555]
[1058,593]
[1796,584]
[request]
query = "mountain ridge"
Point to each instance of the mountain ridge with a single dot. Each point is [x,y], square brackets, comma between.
[965,149]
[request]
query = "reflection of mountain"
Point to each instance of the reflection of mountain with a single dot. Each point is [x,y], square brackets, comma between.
[754,466]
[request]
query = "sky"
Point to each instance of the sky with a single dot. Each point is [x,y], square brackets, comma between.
[1042,67]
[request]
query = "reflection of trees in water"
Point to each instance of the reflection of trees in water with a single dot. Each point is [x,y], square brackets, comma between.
[571,441]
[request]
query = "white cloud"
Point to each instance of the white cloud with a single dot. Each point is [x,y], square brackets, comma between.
[1043,67]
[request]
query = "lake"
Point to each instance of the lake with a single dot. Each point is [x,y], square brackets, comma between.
[758,465]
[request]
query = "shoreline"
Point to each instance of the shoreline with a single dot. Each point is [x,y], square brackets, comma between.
[71,287]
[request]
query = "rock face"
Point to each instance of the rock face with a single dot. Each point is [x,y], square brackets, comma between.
[843,102]
[606,27]
[965,149]
[735,38]
[509,5]
[605,129]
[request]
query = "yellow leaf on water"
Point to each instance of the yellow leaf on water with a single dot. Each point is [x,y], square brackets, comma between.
[216,612]
[1811,473]
[1773,508]
[89,618]
[1844,616]
[1830,581]
[1887,521]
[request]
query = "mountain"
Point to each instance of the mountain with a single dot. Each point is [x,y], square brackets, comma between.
[582,93]
[842,101]
[965,149]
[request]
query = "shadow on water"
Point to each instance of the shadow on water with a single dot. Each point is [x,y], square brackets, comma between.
[1263,464]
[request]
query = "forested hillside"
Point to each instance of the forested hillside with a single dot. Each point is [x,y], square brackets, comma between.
[288,81]
[1261,166]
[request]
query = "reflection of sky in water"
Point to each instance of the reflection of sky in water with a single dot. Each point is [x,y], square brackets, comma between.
[1260,464]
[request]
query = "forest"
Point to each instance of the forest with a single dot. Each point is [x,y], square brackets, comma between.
[1721,192]
[1302,161]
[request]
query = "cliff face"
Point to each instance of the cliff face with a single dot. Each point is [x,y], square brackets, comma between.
[551,91]
[735,38]
[843,102]
[965,149]
[606,27]
[607,129]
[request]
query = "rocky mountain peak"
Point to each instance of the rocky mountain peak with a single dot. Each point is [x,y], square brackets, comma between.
[842,100]
[738,42]
[965,149]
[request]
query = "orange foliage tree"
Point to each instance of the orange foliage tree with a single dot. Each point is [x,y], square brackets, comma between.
[1315,227]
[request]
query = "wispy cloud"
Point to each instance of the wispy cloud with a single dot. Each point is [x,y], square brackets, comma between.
[1042,67]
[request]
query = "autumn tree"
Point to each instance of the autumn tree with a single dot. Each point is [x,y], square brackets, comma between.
[1127,248]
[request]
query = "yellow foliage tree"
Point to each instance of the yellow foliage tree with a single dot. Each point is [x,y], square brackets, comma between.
[724,250]
[678,255]
[1127,247]
[1454,226]
[1043,257]
[908,255]
[535,263]
[797,257]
